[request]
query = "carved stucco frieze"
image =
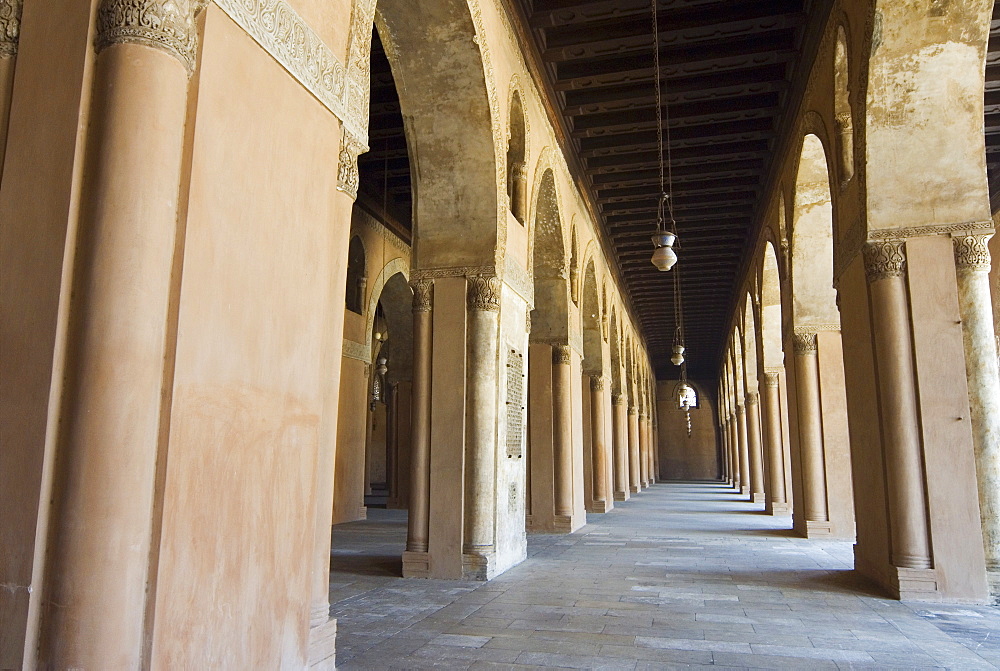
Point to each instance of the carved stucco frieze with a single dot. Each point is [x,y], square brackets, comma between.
[972,252]
[167,25]
[347,163]
[423,295]
[884,259]
[804,343]
[483,293]
[10,27]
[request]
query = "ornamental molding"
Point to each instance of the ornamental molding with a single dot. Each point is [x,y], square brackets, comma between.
[518,279]
[288,39]
[884,259]
[816,328]
[357,350]
[166,25]
[10,27]
[527,320]
[972,252]
[562,354]
[855,240]
[371,223]
[483,293]
[423,295]
[804,344]
[348,177]
[458,271]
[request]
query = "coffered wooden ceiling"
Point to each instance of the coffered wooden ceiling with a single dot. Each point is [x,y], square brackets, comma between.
[732,72]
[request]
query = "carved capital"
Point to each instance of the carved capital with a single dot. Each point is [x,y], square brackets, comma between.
[633,410]
[483,293]
[596,383]
[753,398]
[167,25]
[771,379]
[347,163]
[617,398]
[562,354]
[972,252]
[423,295]
[804,343]
[884,259]
[10,27]
[740,410]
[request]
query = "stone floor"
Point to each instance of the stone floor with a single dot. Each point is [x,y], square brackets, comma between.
[682,575]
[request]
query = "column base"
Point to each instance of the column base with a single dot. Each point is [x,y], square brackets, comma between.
[600,507]
[758,497]
[481,566]
[323,646]
[993,585]
[777,508]
[635,489]
[362,513]
[814,529]
[914,584]
[744,490]
[416,564]
[621,496]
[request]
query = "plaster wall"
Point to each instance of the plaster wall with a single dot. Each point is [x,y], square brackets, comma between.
[683,457]
[249,391]
[349,471]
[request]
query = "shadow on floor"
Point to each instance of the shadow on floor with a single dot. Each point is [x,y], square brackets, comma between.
[367,565]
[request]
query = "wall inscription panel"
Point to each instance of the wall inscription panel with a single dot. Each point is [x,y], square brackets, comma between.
[515,404]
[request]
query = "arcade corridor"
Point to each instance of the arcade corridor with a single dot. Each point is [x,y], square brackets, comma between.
[687,574]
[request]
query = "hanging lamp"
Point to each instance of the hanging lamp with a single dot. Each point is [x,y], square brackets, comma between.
[664,256]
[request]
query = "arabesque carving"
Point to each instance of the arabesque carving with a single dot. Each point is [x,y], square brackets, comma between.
[484,293]
[167,25]
[884,259]
[804,343]
[423,295]
[10,27]
[972,252]
[348,178]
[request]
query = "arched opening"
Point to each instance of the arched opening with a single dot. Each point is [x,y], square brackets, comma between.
[770,309]
[842,107]
[517,168]
[821,476]
[574,265]
[595,411]
[554,503]
[619,418]
[752,401]
[356,275]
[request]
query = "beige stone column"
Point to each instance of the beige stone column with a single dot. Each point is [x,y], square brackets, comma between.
[562,430]
[972,259]
[727,471]
[634,484]
[734,451]
[599,448]
[743,449]
[10,27]
[103,517]
[754,451]
[481,410]
[885,266]
[420,422]
[650,451]
[619,433]
[643,451]
[810,423]
[774,487]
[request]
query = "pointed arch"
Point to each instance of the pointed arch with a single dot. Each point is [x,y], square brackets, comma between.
[813,295]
